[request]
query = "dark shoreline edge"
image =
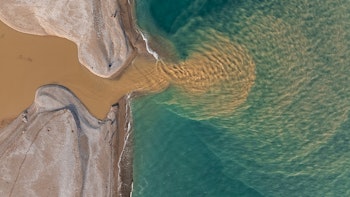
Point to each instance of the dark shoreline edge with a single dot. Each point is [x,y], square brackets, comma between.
[132,32]
[124,143]
[123,148]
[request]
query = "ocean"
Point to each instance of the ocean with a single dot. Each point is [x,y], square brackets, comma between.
[259,99]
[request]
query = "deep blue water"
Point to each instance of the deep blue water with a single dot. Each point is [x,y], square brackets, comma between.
[290,136]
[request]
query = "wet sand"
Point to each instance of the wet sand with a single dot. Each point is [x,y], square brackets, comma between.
[28,62]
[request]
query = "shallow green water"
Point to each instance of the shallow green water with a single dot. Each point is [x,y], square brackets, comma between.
[291,135]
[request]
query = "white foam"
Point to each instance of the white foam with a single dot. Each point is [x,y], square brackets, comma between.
[155,55]
[132,188]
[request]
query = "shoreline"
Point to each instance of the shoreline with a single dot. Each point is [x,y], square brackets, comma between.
[122,142]
[133,34]
[125,147]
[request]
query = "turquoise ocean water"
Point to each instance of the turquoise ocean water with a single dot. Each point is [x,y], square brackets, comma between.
[290,136]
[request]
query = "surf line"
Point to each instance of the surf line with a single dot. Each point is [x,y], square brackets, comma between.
[149,50]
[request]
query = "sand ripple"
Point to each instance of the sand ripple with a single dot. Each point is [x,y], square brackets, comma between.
[214,80]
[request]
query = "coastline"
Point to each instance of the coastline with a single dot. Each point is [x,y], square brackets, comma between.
[121,138]
[133,34]
[124,149]
[127,14]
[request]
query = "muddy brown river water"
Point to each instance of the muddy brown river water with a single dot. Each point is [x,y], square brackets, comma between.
[28,62]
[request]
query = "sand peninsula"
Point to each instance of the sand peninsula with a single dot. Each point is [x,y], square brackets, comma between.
[56,147]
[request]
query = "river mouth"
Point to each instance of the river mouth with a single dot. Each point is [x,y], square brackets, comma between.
[28,62]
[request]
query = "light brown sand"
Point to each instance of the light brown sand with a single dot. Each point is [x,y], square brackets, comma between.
[28,62]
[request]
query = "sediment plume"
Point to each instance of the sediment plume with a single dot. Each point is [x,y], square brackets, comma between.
[57,148]
[214,80]
[219,70]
